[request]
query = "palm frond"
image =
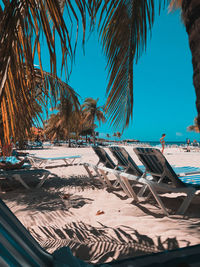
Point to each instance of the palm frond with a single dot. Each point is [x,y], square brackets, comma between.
[194,127]
[21,25]
[123,29]
[21,108]
[174,4]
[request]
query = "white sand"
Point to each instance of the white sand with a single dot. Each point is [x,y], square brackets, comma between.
[125,229]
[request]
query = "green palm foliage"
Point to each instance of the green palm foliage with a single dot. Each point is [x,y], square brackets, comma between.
[92,112]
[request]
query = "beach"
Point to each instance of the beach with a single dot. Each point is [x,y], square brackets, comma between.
[97,223]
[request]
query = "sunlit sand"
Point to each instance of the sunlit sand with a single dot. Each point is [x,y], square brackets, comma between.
[101,225]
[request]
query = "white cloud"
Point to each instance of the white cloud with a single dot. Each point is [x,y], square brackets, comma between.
[179,134]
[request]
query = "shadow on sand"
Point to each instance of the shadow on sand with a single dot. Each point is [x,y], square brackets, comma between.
[101,244]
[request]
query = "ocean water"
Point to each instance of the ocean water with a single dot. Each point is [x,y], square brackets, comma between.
[157,143]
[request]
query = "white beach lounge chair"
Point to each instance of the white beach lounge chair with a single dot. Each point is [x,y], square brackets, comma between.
[154,187]
[41,162]
[104,160]
[22,176]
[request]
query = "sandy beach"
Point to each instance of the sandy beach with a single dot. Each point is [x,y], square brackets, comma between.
[64,211]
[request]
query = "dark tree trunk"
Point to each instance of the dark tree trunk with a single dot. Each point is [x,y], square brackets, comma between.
[69,142]
[191,17]
[94,138]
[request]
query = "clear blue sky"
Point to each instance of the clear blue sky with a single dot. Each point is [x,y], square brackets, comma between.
[164,95]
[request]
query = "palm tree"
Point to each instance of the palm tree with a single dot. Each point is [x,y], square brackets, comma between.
[114,135]
[60,125]
[53,129]
[84,127]
[118,134]
[194,128]
[123,28]
[92,113]
[191,17]
[21,25]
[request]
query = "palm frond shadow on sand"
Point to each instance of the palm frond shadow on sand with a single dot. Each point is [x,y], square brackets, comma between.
[50,197]
[80,182]
[100,244]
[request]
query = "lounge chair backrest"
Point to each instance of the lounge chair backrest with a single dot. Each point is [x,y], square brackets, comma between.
[104,157]
[157,165]
[17,246]
[125,160]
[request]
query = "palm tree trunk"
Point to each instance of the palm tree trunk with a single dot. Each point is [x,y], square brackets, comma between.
[94,140]
[69,142]
[191,16]
[93,132]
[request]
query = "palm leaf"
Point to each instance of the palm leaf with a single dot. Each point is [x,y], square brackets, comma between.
[123,29]
[21,25]
[21,109]
[194,127]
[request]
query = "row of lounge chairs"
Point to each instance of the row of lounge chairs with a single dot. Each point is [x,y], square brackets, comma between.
[156,175]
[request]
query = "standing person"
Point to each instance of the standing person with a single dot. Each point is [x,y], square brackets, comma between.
[162,141]
[188,145]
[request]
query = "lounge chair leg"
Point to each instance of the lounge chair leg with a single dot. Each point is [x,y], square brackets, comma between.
[123,186]
[43,180]
[19,179]
[100,177]
[42,162]
[130,189]
[88,171]
[116,183]
[158,200]
[142,191]
[106,178]
[66,162]
[186,202]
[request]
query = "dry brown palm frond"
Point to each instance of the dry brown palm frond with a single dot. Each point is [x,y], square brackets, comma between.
[21,108]
[123,29]
[194,127]
[174,4]
[21,25]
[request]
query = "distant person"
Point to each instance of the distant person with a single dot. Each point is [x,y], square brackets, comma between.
[6,165]
[188,145]
[162,141]
[195,143]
